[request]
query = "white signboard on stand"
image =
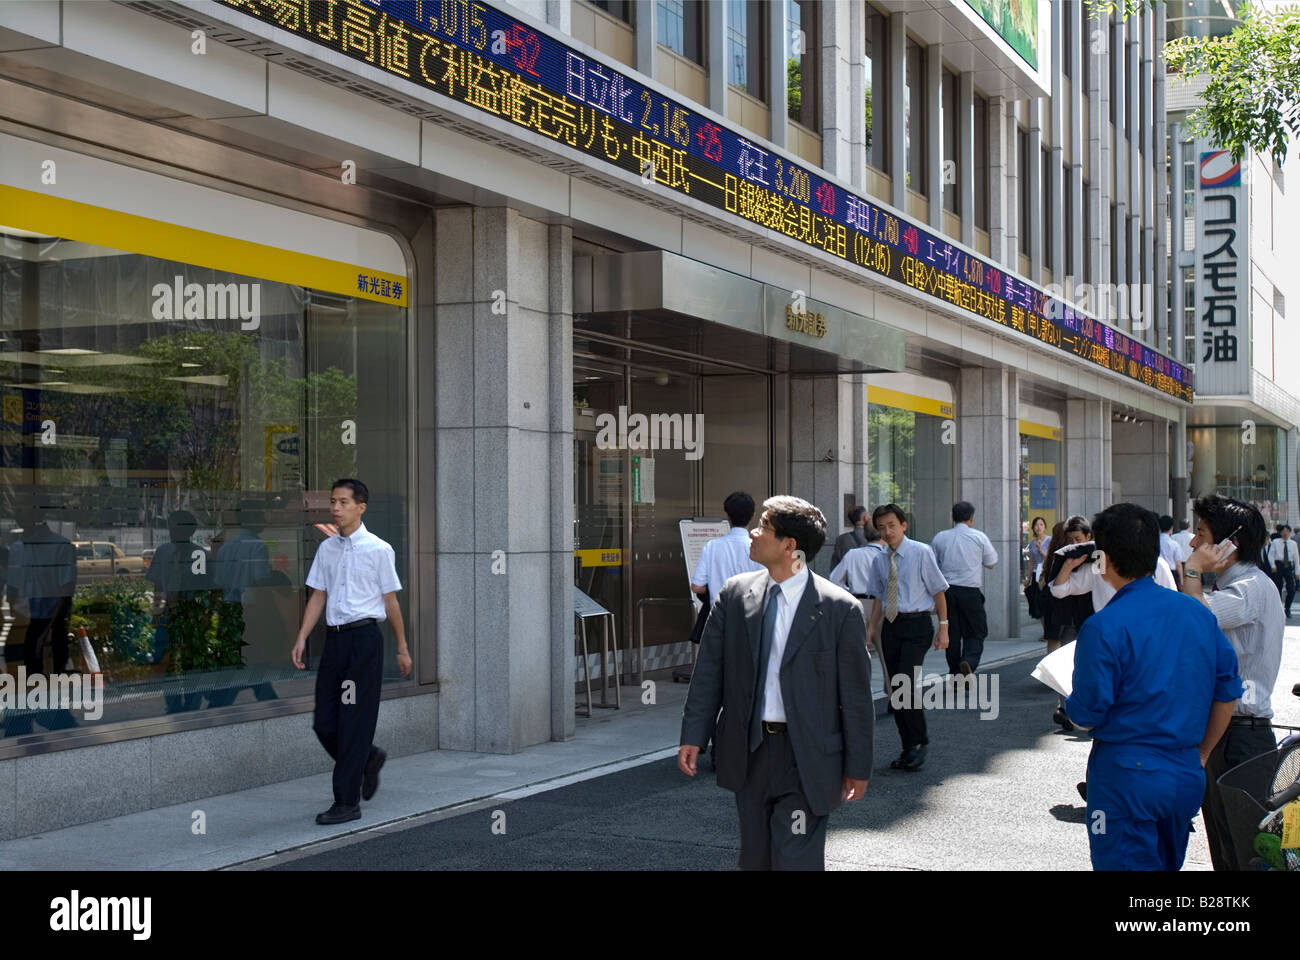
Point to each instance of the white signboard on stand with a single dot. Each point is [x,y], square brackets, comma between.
[695,534]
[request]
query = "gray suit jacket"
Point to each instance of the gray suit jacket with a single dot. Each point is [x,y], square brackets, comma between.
[825,685]
[846,542]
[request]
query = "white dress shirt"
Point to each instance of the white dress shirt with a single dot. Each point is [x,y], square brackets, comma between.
[963,552]
[1086,579]
[853,572]
[721,559]
[1280,549]
[1172,551]
[787,599]
[1246,604]
[355,572]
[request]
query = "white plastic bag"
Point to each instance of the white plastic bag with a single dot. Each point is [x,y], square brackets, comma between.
[1057,669]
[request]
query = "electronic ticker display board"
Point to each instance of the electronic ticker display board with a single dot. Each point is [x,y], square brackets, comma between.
[481,57]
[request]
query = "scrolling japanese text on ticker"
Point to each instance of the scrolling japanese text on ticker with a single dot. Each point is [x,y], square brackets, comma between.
[481,57]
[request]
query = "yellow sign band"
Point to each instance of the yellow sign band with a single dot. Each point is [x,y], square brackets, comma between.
[600,558]
[71,220]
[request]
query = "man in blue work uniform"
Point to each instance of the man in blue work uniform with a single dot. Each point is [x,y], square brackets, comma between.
[1155,681]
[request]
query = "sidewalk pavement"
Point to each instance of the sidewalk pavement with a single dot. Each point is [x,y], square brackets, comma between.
[252,824]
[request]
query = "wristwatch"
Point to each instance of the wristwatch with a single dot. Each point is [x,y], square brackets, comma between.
[1194,574]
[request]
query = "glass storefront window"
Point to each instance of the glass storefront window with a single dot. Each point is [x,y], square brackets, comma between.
[169,437]
[910,464]
[1040,488]
[1247,464]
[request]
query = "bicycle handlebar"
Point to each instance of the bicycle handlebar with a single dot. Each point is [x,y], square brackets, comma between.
[1282,799]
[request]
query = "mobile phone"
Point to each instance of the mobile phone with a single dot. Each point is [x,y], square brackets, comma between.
[1226,547]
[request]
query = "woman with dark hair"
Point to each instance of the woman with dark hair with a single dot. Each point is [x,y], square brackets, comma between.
[1037,557]
[1068,612]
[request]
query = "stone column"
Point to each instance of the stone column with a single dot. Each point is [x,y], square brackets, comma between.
[934,133]
[1001,158]
[822,454]
[1140,461]
[716,16]
[857,96]
[647,28]
[504,461]
[1075,197]
[778,99]
[1034,171]
[558,15]
[897,28]
[988,435]
[1087,457]
[837,90]
[966,162]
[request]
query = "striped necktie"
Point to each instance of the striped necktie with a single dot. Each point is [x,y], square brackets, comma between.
[891,589]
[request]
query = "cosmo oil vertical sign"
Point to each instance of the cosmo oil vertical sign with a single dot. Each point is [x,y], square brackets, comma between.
[1222,275]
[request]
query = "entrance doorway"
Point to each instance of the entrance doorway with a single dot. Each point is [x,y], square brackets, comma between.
[707,432]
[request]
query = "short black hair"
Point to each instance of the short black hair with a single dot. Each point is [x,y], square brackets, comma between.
[360,492]
[962,511]
[1166,523]
[1129,535]
[181,525]
[739,507]
[792,517]
[856,514]
[885,510]
[1183,525]
[1223,515]
[1284,526]
[870,532]
[1077,524]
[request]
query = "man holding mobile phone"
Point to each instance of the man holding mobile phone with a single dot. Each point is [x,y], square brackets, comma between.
[1223,574]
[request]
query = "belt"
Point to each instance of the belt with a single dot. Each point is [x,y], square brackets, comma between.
[911,616]
[865,596]
[1252,721]
[354,625]
[772,726]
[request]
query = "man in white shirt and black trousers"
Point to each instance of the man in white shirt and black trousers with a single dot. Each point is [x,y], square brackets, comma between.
[964,553]
[354,581]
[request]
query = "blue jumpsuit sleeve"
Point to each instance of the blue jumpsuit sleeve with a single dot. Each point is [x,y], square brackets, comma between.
[1096,678]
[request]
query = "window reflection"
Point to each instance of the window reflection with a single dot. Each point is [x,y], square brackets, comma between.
[165,470]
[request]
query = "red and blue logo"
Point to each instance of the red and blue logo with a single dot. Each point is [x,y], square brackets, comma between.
[1219,170]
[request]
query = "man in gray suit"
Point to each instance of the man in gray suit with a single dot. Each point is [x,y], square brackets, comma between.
[784,654]
[857,537]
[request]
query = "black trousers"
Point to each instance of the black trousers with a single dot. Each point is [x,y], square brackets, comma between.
[777,829]
[967,626]
[49,631]
[905,642]
[1285,580]
[1240,743]
[346,715]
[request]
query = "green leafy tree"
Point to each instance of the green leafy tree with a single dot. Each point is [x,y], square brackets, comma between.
[868,138]
[794,88]
[1253,89]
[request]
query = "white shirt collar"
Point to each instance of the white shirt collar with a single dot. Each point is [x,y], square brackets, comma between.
[793,587]
[356,534]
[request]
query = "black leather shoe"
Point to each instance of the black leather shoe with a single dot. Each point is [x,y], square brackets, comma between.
[370,779]
[1082,787]
[911,760]
[965,669]
[339,813]
[1060,717]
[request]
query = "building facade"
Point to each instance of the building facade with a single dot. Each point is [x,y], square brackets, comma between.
[551,277]
[1236,240]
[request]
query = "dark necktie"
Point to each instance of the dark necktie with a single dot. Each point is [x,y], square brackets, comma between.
[768,637]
